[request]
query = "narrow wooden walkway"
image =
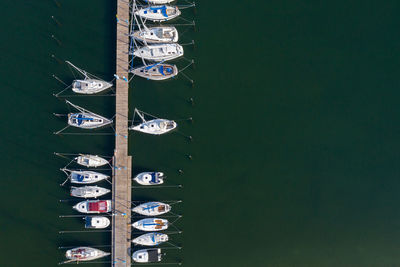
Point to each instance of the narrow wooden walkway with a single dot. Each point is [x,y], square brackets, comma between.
[121,193]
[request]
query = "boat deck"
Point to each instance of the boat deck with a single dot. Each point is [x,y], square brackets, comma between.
[121,193]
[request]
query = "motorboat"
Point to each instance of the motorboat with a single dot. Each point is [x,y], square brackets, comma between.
[90,160]
[87,120]
[147,255]
[156,72]
[150,239]
[93,206]
[159,35]
[158,13]
[155,127]
[151,224]
[85,254]
[159,52]
[152,208]
[85,177]
[96,222]
[149,178]
[88,191]
[90,84]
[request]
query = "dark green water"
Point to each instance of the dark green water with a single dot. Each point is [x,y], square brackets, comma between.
[295,134]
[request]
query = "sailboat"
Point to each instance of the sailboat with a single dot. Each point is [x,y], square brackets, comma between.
[156,72]
[152,208]
[93,206]
[158,13]
[147,255]
[159,2]
[158,35]
[86,119]
[90,160]
[84,254]
[90,84]
[151,224]
[150,239]
[155,126]
[84,177]
[149,178]
[88,191]
[159,52]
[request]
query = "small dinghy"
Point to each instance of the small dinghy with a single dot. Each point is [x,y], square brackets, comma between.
[90,84]
[85,177]
[88,191]
[156,126]
[149,178]
[152,208]
[159,13]
[85,119]
[96,222]
[157,35]
[150,239]
[147,255]
[151,224]
[91,161]
[93,206]
[85,254]
[156,72]
[159,52]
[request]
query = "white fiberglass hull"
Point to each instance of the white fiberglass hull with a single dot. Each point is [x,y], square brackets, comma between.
[152,208]
[91,161]
[155,127]
[93,206]
[159,52]
[151,224]
[158,13]
[150,239]
[149,178]
[147,255]
[158,72]
[87,120]
[160,2]
[96,222]
[89,191]
[89,86]
[157,35]
[86,177]
[85,254]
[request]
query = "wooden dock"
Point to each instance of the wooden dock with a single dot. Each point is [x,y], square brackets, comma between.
[121,191]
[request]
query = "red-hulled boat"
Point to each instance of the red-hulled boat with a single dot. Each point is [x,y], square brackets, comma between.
[93,206]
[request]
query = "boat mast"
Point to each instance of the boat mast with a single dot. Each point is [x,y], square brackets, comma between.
[140,115]
[84,73]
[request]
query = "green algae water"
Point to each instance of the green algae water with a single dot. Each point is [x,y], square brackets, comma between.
[294,156]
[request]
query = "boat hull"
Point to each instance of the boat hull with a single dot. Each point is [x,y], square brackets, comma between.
[157,35]
[96,222]
[89,191]
[159,13]
[86,177]
[89,86]
[147,255]
[151,224]
[87,120]
[152,208]
[93,206]
[150,239]
[155,127]
[149,178]
[85,254]
[156,73]
[91,161]
[159,52]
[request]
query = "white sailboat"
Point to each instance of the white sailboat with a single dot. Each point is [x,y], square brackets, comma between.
[150,239]
[157,35]
[152,208]
[149,178]
[90,84]
[84,177]
[159,2]
[151,224]
[147,255]
[84,254]
[156,72]
[155,126]
[90,160]
[93,206]
[88,191]
[96,222]
[158,13]
[159,52]
[86,119]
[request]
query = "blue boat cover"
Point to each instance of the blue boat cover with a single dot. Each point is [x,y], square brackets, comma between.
[80,118]
[162,8]
[88,221]
[151,207]
[80,177]
[154,179]
[161,70]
